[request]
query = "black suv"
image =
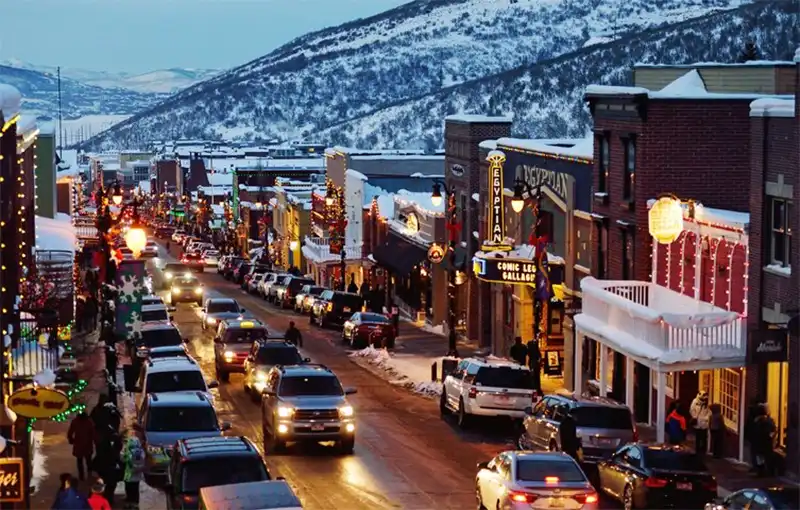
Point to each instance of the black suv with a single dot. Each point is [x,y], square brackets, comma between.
[335,307]
[209,462]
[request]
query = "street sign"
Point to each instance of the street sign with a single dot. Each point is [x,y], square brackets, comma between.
[12,481]
[39,403]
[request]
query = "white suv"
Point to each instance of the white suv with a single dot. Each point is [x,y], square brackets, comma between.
[487,387]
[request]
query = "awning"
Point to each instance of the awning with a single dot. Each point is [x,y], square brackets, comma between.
[398,256]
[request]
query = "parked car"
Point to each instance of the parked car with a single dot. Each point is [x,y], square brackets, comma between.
[157,313]
[365,328]
[156,335]
[657,476]
[285,293]
[304,299]
[261,495]
[211,258]
[253,281]
[270,279]
[252,271]
[772,498]
[240,272]
[178,235]
[223,263]
[193,261]
[335,307]
[231,266]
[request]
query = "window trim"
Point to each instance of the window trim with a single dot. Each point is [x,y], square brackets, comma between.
[629,168]
[785,231]
[604,162]
[628,256]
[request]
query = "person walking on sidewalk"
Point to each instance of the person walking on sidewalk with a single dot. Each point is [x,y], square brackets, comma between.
[752,414]
[107,464]
[701,415]
[518,351]
[676,426]
[293,335]
[68,497]
[81,436]
[763,441]
[134,459]
[534,363]
[716,427]
[106,418]
[97,501]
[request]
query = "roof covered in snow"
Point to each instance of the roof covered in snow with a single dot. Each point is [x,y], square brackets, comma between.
[55,234]
[10,100]
[488,145]
[797,55]
[569,147]
[351,151]
[478,119]
[772,107]
[220,179]
[750,63]
[144,186]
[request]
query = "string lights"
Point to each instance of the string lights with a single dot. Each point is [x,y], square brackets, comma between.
[715,244]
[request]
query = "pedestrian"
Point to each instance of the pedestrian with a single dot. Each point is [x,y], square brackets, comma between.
[752,414]
[293,335]
[91,312]
[106,418]
[568,433]
[763,441]
[716,426]
[81,436]
[107,464]
[97,501]
[134,460]
[701,417]
[534,362]
[676,426]
[352,287]
[68,497]
[518,351]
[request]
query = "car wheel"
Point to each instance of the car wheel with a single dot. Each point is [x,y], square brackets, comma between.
[627,498]
[443,410]
[346,446]
[223,376]
[463,416]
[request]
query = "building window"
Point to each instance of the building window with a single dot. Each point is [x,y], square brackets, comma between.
[627,255]
[728,397]
[630,169]
[605,162]
[602,249]
[781,242]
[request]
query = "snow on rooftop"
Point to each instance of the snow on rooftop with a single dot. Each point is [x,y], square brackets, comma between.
[355,174]
[772,107]
[418,157]
[26,125]
[750,63]
[55,234]
[615,90]
[144,186]
[384,198]
[690,84]
[220,179]
[570,147]
[489,145]
[10,100]
[351,151]
[420,200]
[797,55]
[477,119]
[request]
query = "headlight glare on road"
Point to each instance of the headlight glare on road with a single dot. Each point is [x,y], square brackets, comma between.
[346,411]
[285,412]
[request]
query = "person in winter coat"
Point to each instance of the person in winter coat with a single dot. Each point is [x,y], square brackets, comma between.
[701,415]
[134,460]
[106,418]
[293,335]
[518,351]
[676,426]
[568,433]
[716,427]
[97,501]
[81,436]
[352,287]
[752,413]
[68,497]
[107,464]
[763,441]
[534,363]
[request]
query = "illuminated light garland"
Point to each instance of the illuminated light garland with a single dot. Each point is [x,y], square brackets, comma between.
[683,260]
[669,267]
[61,417]
[715,243]
[746,277]
[729,290]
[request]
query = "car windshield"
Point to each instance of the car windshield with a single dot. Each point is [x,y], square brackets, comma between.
[670,460]
[282,355]
[222,306]
[181,380]
[244,336]
[218,470]
[603,418]
[374,317]
[181,419]
[160,338]
[316,291]
[155,315]
[785,498]
[171,353]
[530,470]
[504,377]
[315,385]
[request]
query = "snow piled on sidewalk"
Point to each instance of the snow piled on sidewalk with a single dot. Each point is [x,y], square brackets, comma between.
[407,370]
[38,469]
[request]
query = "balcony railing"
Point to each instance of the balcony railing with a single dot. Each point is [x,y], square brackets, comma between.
[318,249]
[667,320]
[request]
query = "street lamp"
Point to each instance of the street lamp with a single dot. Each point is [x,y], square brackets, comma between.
[117,196]
[436,200]
[328,200]
[136,239]
[293,245]
[518,204]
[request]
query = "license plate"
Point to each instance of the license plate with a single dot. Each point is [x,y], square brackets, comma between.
[317,427]
[502,400]
[684,486]
[346,309]
[605,442]
[555,503]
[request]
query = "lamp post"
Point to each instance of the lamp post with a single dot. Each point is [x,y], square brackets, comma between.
[341,223]
[452,219]
[518,204]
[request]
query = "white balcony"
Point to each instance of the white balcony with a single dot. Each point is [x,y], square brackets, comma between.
[318,251]
[660,328]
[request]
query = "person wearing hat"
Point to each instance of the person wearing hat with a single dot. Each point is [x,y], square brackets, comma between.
[701,416]
[67,497]
[97,501]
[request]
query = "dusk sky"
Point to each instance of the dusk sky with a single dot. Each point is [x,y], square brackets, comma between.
[143,35]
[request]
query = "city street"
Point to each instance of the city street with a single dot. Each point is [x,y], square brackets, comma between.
[405,456]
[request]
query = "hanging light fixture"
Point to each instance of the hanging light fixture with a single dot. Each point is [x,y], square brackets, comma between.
[136,239]
[329,200]
[517,202]
[117,196]
[436,195]
[293,245]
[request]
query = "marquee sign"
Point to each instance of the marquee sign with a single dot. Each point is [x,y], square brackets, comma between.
[509,271]
[497,227]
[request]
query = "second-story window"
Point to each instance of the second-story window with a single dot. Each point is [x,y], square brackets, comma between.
[630,169]
[627,255]
[781,239]
[605,163]
[602,239]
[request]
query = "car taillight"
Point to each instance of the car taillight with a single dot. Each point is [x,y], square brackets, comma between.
[189,498]
[635,434]
[522,497]
[329,307]
[473,392]
[655,482]
[710,485]
[585,499]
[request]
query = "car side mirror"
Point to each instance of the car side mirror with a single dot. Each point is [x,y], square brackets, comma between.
[242,310]
[483,465]
[172,318]
[226,425]
[171,309]
[213,384]
[350,391]
[529,411]
[186,340]
[306,360]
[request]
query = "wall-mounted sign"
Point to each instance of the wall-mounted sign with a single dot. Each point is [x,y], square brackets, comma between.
[435,253]
[12,480]
[457,170]
[497,227]
[768,346]
[665,220]
[558,182]
[39,403]
[514,271]
[412,223]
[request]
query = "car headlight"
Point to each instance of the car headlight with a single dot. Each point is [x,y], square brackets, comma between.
[168,275]
[176,290]
[261,376]
[155,450]
[346,411]
[229,355]
[211,321]
[198,290]
[285,412]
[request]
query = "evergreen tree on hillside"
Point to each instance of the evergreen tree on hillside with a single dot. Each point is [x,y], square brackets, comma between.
[749,52]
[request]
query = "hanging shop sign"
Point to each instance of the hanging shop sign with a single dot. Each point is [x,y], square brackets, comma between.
[39,403]
[768,346]
[412,223]
[435,253]
[665,220]
[553,365]
[505,270]
[558,182]
[457,170]
[497,226]
[12,480]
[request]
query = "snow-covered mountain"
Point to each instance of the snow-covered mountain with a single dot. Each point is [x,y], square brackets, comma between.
[161,81]
[342,73]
